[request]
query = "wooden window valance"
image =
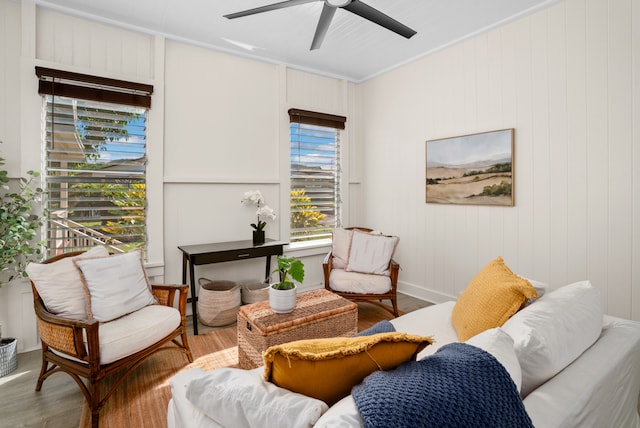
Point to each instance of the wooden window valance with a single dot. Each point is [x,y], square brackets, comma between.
[94,88]
[315,118]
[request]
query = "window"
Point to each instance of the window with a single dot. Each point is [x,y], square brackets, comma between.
[315,174]
[94,161]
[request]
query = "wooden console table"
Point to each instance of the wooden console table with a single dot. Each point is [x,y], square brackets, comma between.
[201,254]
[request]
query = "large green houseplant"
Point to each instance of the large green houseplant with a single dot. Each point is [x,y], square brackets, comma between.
[282,294]
[18,225]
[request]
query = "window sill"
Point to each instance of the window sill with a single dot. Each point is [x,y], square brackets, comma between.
[312,248]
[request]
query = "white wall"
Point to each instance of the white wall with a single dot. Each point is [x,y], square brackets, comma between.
[226,132]
[568,80]
[218,126]
[565,78]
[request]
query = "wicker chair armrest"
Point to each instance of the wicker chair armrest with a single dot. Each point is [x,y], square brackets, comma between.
[327,265]
[328,258]
[394,269]
[67,335]
[165,293]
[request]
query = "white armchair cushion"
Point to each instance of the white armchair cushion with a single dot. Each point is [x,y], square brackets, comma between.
[137,331]
[361,283]
[341,243]
[134,332]
[59,284]
[117,285]
[371,253]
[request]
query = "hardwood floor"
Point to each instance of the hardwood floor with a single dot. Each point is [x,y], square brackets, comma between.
[59,403]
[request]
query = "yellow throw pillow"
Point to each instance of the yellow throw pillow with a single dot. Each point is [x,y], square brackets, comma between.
[327,369]
[490,299]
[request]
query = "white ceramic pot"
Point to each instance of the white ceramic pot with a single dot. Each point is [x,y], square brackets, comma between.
[282,301]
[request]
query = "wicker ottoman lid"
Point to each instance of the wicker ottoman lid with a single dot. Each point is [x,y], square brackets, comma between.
[311,306]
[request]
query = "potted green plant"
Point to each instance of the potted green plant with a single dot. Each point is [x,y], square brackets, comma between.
[18,225]
[18,229]
[282,294]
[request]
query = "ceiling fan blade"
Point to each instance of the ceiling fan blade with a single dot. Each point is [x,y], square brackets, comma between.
[267,8]
[323,25]
[374,15]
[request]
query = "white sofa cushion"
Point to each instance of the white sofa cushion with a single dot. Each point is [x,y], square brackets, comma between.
[434,320]
[540,288]
[371,253]
[343,414]
[499,344]
[60,284]
[242,399]
[554,330]
[117,285]
[355,282]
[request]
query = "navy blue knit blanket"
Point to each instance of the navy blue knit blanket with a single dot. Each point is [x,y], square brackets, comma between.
[458,386]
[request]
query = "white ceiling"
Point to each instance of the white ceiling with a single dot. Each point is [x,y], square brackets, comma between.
[353,49]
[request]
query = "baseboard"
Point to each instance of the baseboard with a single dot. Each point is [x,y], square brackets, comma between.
[423,293]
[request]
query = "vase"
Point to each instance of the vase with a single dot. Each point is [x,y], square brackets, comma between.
[258,237]
[282,301]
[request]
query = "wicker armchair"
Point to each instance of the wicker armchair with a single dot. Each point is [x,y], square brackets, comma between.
[370,296]
[73,346]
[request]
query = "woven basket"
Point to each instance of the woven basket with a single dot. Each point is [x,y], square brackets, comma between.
[253,292]
[8,356]
[218,302]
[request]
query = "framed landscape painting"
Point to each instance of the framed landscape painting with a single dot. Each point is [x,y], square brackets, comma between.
[474,169]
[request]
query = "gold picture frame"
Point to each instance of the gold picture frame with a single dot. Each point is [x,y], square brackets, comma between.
[474,169]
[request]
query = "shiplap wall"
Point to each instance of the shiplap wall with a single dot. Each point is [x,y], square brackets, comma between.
[568,80]
[9,75]
[565,78]
[218,127]
[226,132]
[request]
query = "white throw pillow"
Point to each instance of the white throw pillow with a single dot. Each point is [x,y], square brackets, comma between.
[118,285]
[343,414]
[554,330]
[371,253]
[341,243]
[59,284]
[500,345]
[540,288]
[241,398]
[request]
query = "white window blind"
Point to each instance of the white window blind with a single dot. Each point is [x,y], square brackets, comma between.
[95,174]
[315,175]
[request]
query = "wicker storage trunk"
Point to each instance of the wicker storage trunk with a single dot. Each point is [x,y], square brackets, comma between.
[318,314]
[218,302]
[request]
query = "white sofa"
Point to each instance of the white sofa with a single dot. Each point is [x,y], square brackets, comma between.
[575,367]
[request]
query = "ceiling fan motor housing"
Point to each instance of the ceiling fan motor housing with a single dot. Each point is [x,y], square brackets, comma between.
[337,3]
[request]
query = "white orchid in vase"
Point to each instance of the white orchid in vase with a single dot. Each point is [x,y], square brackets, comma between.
[254,197]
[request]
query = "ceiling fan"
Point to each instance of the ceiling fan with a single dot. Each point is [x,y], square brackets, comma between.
[328,10]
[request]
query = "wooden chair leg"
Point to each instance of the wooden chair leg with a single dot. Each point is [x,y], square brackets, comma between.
[185,344]
[394,302]
[43,370]
[94,402]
